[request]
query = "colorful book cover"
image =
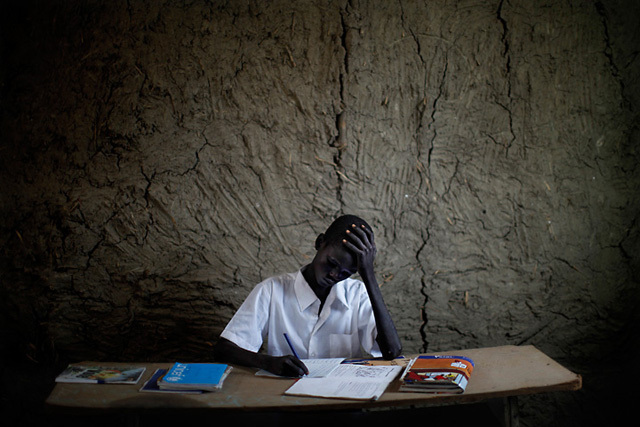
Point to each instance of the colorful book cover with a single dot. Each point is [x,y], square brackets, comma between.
[101,374]
[445,374]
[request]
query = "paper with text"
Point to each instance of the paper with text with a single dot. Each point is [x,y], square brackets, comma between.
[348,382]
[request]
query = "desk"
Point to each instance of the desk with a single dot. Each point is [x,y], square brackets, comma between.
[500,372]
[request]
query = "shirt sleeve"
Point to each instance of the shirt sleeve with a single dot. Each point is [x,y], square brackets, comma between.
[367,326]
[248,326]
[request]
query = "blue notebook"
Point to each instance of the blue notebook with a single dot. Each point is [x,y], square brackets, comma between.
[195,376]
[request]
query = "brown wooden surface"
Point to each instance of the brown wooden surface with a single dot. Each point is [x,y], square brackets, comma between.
[499,372]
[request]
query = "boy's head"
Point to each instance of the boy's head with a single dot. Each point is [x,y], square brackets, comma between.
[333,261]
[337,231]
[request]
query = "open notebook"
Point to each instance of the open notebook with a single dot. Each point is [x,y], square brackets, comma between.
[331,378]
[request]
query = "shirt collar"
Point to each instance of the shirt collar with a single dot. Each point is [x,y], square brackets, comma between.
[306,297]
[304,293]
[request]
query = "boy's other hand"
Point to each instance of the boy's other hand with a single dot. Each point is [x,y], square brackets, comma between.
[361,242]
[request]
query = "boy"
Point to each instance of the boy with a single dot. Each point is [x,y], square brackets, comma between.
[321,310]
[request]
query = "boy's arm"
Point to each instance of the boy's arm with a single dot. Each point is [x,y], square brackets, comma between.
[361,242]
[228,352]
[387,338]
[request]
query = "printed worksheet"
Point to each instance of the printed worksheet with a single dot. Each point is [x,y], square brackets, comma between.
[348,382]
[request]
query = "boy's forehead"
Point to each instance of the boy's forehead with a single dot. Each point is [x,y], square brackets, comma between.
[340,253]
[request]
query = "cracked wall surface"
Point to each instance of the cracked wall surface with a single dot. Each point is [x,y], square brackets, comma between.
[158,159]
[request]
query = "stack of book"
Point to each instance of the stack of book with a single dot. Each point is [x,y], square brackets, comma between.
[437,374]
[188,378]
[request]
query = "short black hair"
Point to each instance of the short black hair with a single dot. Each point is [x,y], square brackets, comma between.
[336,232]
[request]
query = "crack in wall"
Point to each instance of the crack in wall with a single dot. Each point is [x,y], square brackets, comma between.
[434,109]
[505,41]
[424,316]
[506,53]
[608,49]
[422,106]
[340,142]
[431,126]
[422,109]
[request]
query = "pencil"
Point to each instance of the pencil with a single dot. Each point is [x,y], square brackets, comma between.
[291,345]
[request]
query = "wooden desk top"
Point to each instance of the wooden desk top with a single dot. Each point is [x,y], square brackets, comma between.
[499,372]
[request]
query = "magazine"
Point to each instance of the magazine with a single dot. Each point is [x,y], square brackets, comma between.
[101,374]
[437,374]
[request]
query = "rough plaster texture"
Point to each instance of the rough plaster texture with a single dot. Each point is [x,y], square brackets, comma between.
[159,158]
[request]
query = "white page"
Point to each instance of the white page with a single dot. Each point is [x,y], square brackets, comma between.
[338,388]
[348,382]
[352,371]
[318,368]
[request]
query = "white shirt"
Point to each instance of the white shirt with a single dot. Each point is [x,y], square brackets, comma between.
[287,304]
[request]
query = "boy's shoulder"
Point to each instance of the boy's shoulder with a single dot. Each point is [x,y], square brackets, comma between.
[280,280]
[350,288]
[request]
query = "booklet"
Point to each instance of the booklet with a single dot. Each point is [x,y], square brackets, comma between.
[348,381]
[151,386]
[195,376]
[437,374]
[101,374]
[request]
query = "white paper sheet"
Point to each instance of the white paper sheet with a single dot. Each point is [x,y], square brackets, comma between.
[348,382]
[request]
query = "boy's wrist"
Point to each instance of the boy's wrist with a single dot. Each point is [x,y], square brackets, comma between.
[366,272]
[369,278]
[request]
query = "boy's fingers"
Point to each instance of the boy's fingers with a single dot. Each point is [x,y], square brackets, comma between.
[352,246]
[359,236]
[297,366]
[355,240]
[369,233]
[303,366]
[365,234]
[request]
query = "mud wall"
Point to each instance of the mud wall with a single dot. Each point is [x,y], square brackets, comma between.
[160,158]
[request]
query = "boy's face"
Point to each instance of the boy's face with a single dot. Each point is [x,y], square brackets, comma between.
[332,264]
